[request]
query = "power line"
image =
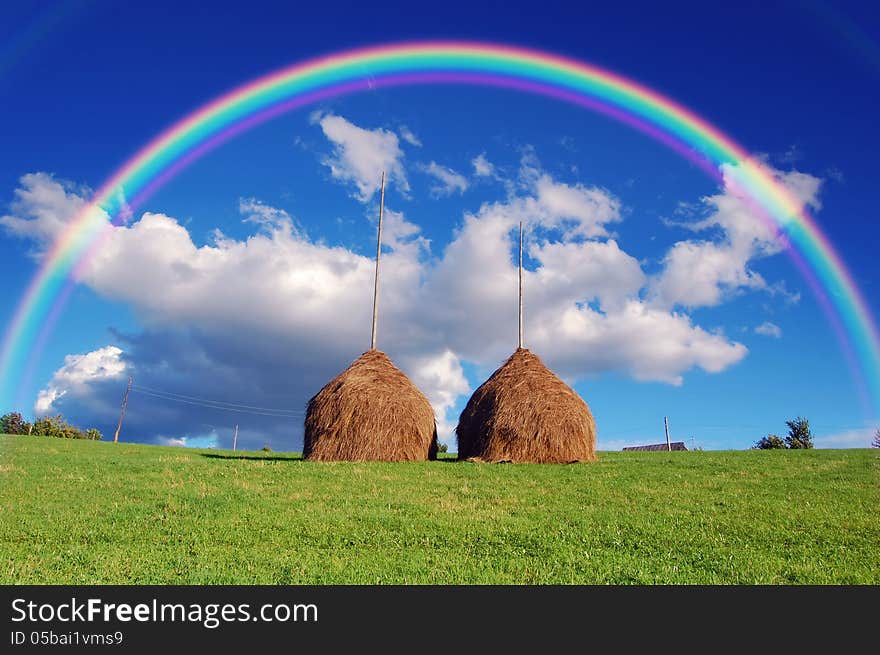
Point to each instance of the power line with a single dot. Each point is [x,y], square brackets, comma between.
[276,413]
[173,395]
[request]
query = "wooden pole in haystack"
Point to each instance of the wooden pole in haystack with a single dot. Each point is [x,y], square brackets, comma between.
[520,287]
[235,437]
[378,255]
[122,413]
[666,427]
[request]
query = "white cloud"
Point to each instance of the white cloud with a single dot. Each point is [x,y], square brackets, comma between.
[407,135]
[172,441]
[803,186]
[402,236]
[769,329]
[856,438]
[268,319]
[360,155]
[42,207]
[579,210]
[575,210]
[478,273]
[705,273]
[78,374]
[259,213]
[450,181]
[205,441]
[482,166]
[647,343]
[577,272]
[441,378]
[275,281]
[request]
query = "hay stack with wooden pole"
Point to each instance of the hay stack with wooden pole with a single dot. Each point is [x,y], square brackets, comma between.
[371,411]
[525,413]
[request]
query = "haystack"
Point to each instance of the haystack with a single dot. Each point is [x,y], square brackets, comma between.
[370,412]
[525,413]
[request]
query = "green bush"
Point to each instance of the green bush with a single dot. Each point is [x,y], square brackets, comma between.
[47,426]
[13,423]
[770,442]
[799,434]
[56,426]
[94,434]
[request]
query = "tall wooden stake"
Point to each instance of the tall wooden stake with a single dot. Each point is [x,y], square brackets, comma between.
[122,413]
[520,287]
[235,437]
[378,254]
[666,426]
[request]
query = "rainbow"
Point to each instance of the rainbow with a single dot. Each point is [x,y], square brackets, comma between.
[430,63]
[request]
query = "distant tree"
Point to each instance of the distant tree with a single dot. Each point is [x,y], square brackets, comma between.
[56,426]
[46,426]
[94,434]
[13,423]
[442,448]
[266,449]
[770,442]
[876,442]
[799,434]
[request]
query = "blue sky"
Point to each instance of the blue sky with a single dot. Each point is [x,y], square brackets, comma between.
[247,282]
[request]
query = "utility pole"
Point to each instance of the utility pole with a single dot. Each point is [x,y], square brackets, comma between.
[666,425]
[235,437]
[378,254]
[122,413]
[520,287]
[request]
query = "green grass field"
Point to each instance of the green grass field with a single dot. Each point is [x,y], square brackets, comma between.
[90,512]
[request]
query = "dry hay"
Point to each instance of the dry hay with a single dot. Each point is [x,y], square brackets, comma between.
[525,413]
[370,412]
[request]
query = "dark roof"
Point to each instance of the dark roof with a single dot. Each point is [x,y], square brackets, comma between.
[676,445]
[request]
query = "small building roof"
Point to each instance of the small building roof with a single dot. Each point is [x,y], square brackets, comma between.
[676,445]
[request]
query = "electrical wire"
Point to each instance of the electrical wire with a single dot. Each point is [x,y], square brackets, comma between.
[174,395]
[276,413]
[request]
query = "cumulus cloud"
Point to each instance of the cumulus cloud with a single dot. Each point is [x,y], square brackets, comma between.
[259,213]
[648,344]
[266,320]
[263,321]
[198,441]
[276,279]
[704,273]
[803,186]
[402,236]
[448,181]
[42,207]
[441,378]
[78,375]
[360,155]
[482,166]
[856,438]
[583,308]
[769,329]
[172,441]
[407,135]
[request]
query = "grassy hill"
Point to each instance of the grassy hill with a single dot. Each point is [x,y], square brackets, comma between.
[91,512]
